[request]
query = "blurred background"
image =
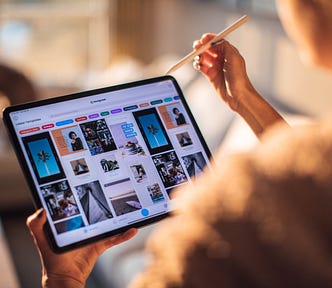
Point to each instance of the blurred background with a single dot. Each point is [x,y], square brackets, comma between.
[55,47]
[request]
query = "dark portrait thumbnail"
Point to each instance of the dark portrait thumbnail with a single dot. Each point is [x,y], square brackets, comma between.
[173,115]
[169,169]
[194,164]
[59,200]
[75,141]
[98,137]
[68,140]
[138,172]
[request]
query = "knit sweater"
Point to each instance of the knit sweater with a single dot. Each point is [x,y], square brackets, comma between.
[258,219]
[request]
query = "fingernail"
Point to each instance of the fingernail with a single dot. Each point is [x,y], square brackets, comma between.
[217,42]
[39,212]
[197,58]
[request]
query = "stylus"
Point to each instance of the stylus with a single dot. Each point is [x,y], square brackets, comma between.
[216,39]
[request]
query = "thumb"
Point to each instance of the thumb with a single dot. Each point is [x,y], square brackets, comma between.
[35,223]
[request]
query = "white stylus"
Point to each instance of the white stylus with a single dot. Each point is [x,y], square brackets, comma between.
[216,39]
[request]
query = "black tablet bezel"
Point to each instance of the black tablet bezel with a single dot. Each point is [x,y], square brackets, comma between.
[24,165]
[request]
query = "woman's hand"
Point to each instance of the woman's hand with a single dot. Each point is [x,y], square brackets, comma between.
[225,68]
[69,269]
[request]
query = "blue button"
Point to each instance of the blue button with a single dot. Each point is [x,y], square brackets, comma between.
[64,122]
[145,212]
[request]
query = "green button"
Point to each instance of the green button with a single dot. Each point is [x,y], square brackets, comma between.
[104,113]
[155,102]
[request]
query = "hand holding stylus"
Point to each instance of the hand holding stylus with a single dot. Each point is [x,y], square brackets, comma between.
[216,39]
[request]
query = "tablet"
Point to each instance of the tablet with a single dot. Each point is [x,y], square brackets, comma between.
[105,160]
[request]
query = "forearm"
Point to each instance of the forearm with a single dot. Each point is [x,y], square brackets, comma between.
[257,112]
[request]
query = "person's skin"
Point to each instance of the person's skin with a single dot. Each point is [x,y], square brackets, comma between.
[308,24]
[225,68]
[226,72]
[70,269]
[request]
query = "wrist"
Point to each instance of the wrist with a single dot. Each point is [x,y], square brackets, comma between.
[247,98]
[54,281]
[256,111]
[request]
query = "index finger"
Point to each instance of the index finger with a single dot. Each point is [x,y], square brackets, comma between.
[204,39]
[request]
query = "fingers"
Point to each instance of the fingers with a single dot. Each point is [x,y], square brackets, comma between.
[210,57]
[204,39]
[110,242]
[124,236]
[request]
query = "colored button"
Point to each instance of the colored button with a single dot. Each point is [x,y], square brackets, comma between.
[114,111]
[128,130]
[48,126]
[145,212]
[129,135]
[93,116]
[64,122]
[30,130]
[168,99]
[127,126]
[144,105]
[155,102]
[104,113]
[83,118]
[132,107]
[176,97]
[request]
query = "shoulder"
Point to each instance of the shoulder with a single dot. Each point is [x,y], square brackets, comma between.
[290,165]
[304,150]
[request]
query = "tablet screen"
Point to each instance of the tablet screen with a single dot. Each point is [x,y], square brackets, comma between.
[105,160]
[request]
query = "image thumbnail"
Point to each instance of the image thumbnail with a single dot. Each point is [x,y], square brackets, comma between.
[153,130]
[125,138]
[172,115]
[43,157]
[98,137]
[169,169]
[79,166]
[93,202]
[178,116]
[69,225]
[138,172]
[123,197]
[194,163]
[155,193]
[184,139]
[60,200]
[109,163]
[69,140]
[75,141]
